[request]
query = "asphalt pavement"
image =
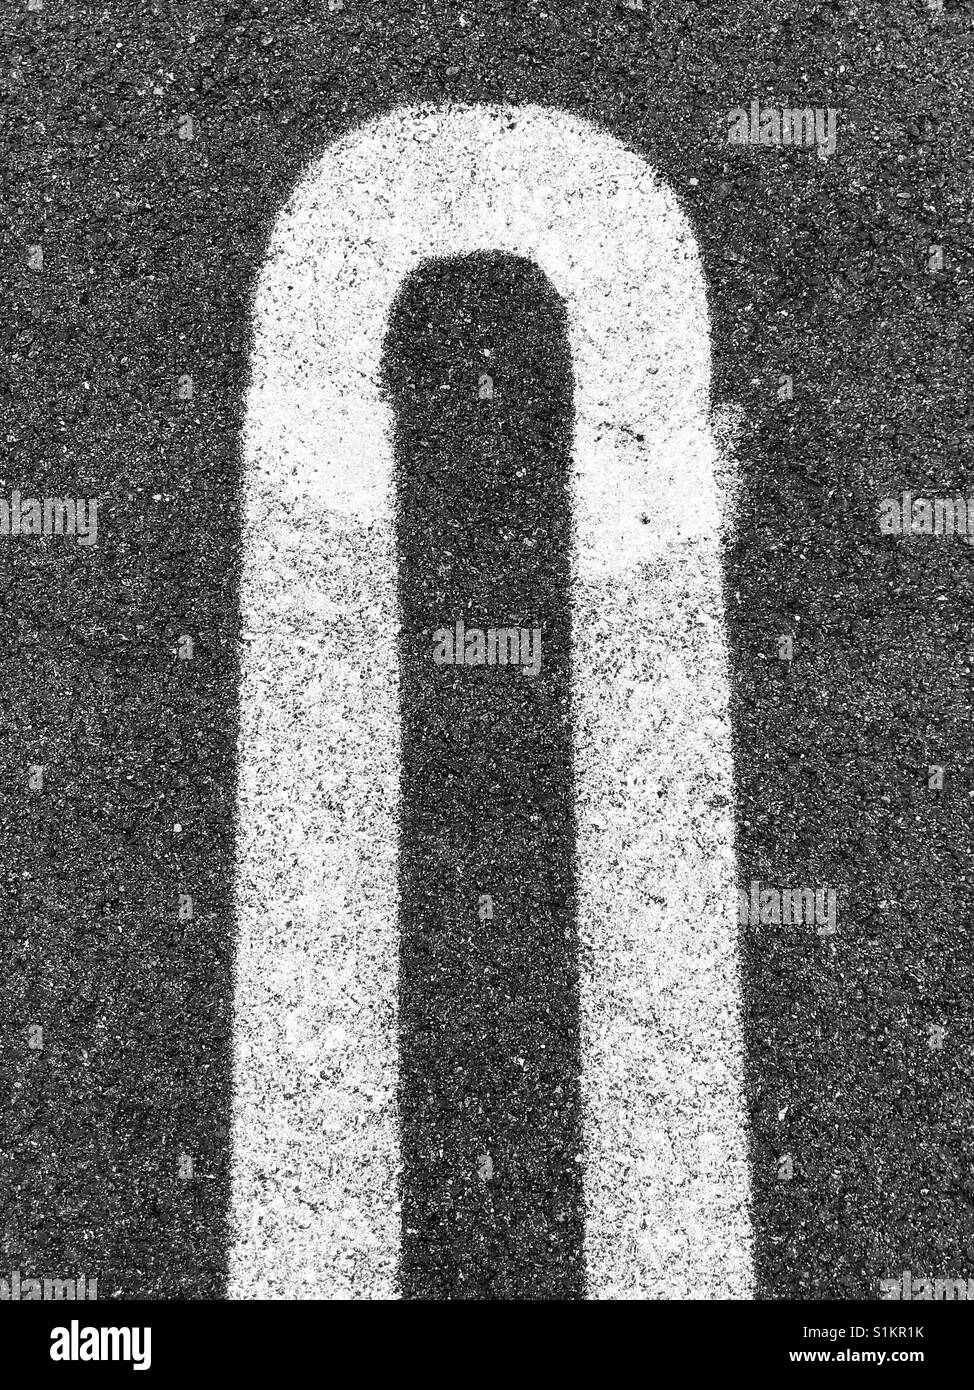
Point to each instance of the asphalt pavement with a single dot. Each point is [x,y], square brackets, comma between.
[149,152]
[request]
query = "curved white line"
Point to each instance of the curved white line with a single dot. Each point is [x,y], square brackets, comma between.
[315,1145]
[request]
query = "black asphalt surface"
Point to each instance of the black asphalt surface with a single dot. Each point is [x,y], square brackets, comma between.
[816,269]
[489,975]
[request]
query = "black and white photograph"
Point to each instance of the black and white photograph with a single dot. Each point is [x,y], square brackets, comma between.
[487,593]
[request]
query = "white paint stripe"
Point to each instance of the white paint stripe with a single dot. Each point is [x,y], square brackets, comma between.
[315,1148]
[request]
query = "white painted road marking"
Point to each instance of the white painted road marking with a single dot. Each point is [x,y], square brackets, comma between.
[315,1145]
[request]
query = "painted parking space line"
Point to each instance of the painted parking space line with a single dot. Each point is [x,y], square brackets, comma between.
[315,1142]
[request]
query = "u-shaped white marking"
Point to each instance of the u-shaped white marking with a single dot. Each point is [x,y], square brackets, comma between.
[315,1142]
